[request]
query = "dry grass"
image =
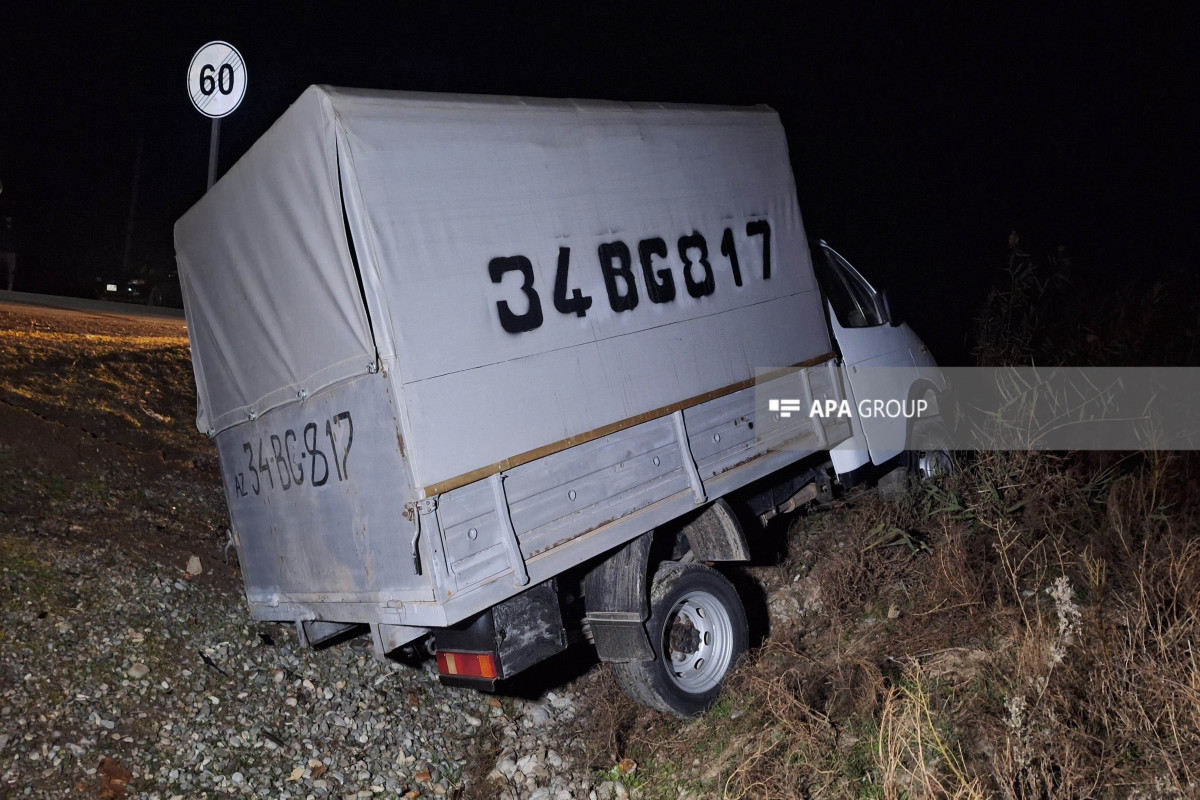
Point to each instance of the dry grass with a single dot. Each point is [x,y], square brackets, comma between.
[1040,644]
[1026,629]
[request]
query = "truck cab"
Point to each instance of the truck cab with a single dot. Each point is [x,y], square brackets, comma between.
[883,359]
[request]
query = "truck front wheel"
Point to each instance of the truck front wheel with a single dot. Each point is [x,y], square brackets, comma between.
[936,459]
[697,629]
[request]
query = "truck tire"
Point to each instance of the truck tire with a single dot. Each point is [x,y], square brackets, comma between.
[937,459]
[697,630]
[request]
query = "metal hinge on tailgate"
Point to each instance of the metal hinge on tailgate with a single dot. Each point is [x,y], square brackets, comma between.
[413,511]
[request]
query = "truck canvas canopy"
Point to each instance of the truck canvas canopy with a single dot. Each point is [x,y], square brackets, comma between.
[527,273]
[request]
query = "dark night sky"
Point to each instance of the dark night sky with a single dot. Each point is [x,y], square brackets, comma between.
[919,136]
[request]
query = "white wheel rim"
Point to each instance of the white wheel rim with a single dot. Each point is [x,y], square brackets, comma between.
[698,642]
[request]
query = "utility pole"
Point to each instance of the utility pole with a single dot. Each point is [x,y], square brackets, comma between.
[137,172]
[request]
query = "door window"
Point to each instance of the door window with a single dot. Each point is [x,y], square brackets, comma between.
[854,302]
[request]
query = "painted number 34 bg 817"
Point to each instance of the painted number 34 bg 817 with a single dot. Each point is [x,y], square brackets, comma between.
[289,459]
[620,279]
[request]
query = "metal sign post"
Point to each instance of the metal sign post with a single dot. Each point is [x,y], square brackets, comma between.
[216,85]
[214,144]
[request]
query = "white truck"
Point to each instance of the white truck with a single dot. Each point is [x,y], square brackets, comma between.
[487,374]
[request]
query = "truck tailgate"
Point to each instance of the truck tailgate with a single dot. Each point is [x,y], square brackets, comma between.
[316,494]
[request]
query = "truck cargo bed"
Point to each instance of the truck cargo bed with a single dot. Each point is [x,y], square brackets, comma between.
[483,542]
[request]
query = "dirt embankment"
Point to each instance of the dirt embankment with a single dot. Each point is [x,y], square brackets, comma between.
[97,438]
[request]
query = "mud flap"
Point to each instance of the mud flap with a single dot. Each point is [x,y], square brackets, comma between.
[617,601]
[519,633]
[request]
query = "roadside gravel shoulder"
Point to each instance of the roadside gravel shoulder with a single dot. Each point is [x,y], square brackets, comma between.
[165,673]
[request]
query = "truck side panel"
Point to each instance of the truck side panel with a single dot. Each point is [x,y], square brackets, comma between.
[800,434]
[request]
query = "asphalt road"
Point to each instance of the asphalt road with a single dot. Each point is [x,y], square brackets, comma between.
[101,308]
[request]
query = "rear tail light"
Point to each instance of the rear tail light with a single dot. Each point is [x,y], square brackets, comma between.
[467,665]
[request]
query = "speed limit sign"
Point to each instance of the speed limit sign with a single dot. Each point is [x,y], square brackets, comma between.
[216,79]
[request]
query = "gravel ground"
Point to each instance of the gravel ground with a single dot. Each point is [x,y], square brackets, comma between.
[167,676]
[125,675]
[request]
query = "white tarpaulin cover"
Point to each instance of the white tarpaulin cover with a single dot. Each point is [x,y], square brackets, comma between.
[273,305]
[534,269]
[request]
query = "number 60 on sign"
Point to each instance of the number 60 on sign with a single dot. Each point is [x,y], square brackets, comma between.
[217,79]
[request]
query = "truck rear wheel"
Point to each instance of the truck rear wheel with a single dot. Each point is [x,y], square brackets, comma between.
[697,629]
